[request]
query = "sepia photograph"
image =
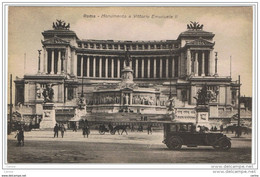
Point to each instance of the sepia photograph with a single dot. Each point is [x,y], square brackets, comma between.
[129,85]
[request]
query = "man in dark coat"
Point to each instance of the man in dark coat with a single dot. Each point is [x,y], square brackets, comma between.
[56,130]
[149,129]
[62,130]
[20,137]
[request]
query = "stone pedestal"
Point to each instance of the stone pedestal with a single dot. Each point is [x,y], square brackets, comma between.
[202,118]
[213,110]
[127,75]
[79,113]
[48,118]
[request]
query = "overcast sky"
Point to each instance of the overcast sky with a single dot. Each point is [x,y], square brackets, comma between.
[232,27]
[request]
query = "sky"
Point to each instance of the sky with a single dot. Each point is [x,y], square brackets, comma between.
[232,26]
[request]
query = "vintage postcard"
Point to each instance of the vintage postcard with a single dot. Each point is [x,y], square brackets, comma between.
[131,85]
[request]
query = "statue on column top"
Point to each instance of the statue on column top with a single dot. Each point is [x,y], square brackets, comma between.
[128,58]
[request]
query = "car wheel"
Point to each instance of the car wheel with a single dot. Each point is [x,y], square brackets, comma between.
[174,143]
[225,144]
[112,132]
[101,132]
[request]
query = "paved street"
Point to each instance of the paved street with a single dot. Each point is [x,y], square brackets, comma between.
[136,147]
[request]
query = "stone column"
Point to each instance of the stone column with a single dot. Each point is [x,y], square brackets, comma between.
[94,66]
[58,62]
[124,64]
[211,63]
[154,68]
[130,64]
[179,66]
[148,67]
[81,66]
[100,67]
[188,62]
[45,65]
[131,99]
[88,66]
[196,64]
[203,64]
[69,60]
[66,93]
[173,67]
[39,62]
[52,62]
[136,68]
[160,67]
[65,69]
[122,99]
[112,67]
[74,59]
[167,68]
[62,64]
[118,67]
[142,73]
[106,68]
[26,92]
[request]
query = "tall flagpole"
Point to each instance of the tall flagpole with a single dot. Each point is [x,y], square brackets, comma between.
[230,66]
[24,63]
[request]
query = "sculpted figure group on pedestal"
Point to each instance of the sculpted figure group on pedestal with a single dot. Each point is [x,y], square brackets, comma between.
[59,24]
[204,96]
[48,93]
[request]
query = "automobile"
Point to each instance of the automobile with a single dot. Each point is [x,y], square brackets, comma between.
[177,134]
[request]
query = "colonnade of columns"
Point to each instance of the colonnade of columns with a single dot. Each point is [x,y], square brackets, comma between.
[54,61]
[199,62]
[143,67]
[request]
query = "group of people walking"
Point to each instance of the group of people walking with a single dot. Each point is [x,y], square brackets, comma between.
[57,128]
[62,129]
[140,128]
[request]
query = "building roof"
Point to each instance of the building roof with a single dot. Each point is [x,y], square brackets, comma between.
[128,41]
[59,33]
[196,33]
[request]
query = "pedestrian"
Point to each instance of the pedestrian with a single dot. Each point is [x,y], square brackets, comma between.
[221,128]
[56,130]
[110,127]
[85,131]
[149,129]
[62,130]
[124,127]
[140,128]
[20,137]
[132,128]
[238,131]
[75,127]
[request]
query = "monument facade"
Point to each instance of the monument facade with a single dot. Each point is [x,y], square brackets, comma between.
[137,75]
